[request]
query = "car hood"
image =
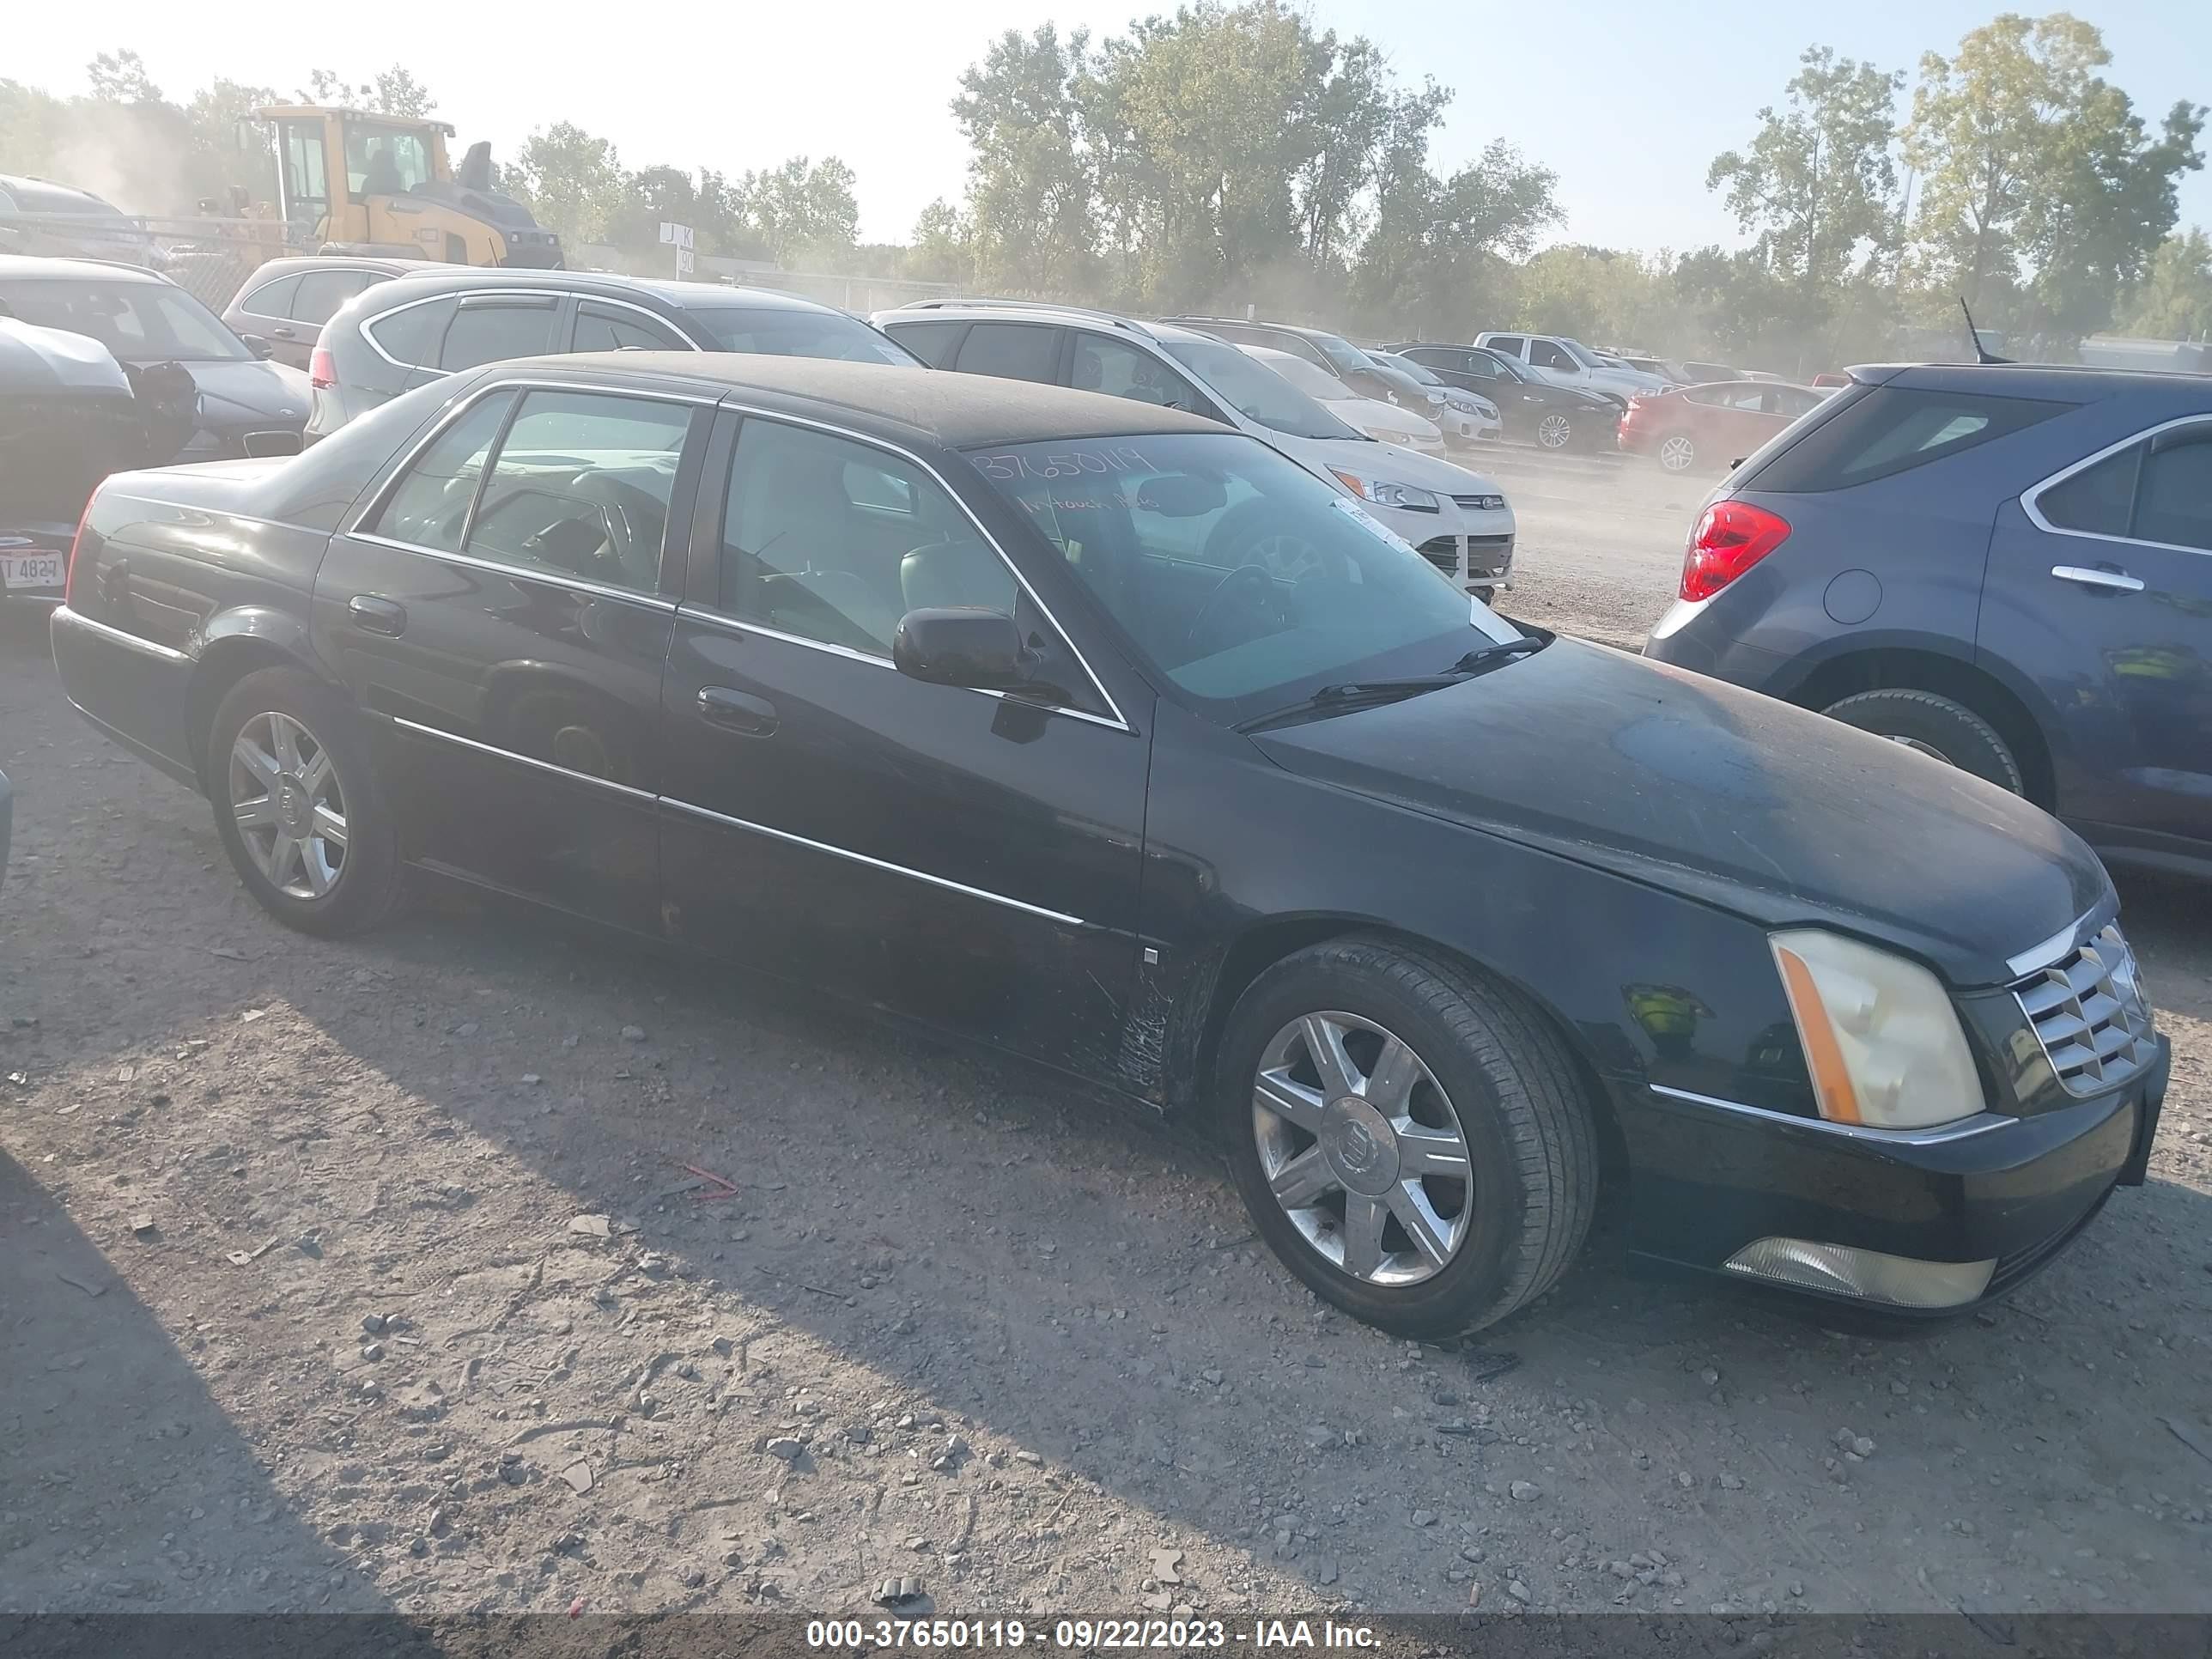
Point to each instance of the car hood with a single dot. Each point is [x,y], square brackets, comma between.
[1734,800]
[1398,465]
[253,394]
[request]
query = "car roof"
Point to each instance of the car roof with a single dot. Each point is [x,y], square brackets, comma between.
[292,262]
[1298,329]
[677,296]
[2069,383]
[1044,312]
[29,190]
[889,400]
[83,271]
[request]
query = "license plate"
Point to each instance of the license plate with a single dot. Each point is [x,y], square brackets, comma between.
[30,569]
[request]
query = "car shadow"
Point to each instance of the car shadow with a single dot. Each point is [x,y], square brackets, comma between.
[129,1486]
[975,1302]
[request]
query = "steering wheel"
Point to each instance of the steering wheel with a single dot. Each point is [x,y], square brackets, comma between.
[1252,581]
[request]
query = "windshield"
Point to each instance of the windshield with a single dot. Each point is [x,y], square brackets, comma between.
[1348,358]
[1314,382]
[778,332]
[1582,354]
[1235,574]
[1259,397]
[137,322]
[1405,366]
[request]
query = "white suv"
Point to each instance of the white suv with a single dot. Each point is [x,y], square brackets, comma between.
[1563,362]
[1457,519]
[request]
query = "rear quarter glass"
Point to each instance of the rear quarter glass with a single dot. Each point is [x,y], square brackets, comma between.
[1873,432]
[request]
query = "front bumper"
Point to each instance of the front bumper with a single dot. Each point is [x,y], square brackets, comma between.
[1479,555]
[1710,1178]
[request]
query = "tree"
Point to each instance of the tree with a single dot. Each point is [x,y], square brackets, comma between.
[1029,195]
[2040,181]
[120,77]
[802,208]
[2173,301]
[396,92]
[1817,182]
[942,248]
[570,179]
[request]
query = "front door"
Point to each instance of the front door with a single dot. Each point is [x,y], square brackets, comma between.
[964,858]
[2100,587]
[498,611]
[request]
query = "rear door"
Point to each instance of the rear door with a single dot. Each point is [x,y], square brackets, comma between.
[954,856]
[1015,351]
[603,326]
[2100,586]
[498,608]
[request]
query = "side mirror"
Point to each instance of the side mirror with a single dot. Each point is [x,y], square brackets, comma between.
[960,646]
[259,347]
[265,446]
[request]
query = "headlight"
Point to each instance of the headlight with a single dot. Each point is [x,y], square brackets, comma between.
[1437,396]
[1881,1039]
[1385,493]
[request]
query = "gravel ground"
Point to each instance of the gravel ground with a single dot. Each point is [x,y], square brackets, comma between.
[371,1275]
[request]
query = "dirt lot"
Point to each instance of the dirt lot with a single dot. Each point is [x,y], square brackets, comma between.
[426,1313]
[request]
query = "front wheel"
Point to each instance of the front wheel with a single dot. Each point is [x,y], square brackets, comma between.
[1555,431]
[296,805]
[1408,1135]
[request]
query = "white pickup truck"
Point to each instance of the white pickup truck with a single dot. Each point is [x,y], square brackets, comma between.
[1563,362]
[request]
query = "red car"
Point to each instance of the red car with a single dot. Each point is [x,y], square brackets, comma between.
[1712,426]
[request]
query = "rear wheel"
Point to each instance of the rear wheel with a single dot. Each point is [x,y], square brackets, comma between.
[1677,452]
[1408,1136]
[296,803]
[1555,431]
[1936,726]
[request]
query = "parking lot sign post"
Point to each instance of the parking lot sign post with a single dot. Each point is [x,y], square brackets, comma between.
[679,238]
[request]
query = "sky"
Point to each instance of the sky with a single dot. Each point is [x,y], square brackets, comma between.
[1627,101]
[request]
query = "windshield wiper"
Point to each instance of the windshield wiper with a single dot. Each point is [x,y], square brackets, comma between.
[1354,692]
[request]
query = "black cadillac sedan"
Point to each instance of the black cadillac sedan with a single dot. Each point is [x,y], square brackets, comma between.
[1096,734]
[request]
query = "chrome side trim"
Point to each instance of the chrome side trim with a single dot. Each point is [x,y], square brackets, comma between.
[875,863]
[1980,1124]
[129,642]
[989,540]
[738,625]
[623,789]
[551,578]
[369,323]
[2031,498]
[2037,957]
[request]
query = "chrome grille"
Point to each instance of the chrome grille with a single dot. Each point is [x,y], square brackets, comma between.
[2088,1010]
[1442,551]
[1476,503]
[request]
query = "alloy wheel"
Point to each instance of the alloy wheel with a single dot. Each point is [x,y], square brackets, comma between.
[1361,1148]
[1678,453]
[1554,431]
[290,806]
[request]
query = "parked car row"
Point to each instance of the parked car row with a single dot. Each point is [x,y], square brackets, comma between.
[1119,734]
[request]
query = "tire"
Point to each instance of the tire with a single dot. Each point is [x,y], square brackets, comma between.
[1938,727]
[311,890]
[1554,431]
[1489,1067]
[1677,452]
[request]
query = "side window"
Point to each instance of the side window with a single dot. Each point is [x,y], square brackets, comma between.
[1011,351]
[1482,366]
[834,540]
[1511,344]
[1889,430]
[322,292]
[411,334]
[1543,355]
[271,299]
[581,485]
[1120,370]
[2097,499]
[930,342]
[1790,401]
[2173,501]
[430,506]
[611,328]
[491,332]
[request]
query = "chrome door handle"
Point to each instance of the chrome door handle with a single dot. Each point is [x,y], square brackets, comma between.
[737,710]
[373,614]
[2116,581]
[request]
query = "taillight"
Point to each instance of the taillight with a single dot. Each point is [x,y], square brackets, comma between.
[322,372]
[76,546]
[1730,537]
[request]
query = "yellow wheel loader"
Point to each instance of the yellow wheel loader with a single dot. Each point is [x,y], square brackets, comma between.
[361,183]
